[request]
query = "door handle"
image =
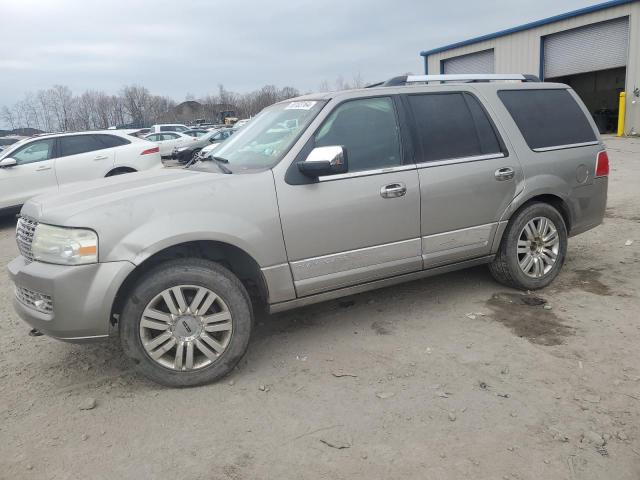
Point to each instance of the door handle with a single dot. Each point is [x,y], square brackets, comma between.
[101,157]
[393,190]
[504,173]
[42,169]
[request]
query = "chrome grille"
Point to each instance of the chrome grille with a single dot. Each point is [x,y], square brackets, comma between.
[24,236]
[38,301]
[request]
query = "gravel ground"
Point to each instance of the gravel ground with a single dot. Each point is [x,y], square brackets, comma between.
[445,378]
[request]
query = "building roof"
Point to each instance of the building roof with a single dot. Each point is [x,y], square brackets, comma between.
[527,26]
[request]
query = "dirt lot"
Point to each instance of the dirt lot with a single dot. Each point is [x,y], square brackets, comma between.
[447,378]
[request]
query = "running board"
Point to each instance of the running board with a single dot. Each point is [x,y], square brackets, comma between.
[386,282]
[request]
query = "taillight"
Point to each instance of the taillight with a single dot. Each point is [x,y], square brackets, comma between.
[151,150]
[602,164]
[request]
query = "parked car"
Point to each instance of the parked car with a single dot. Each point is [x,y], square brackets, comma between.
[242,123]
[367,188]
[45,163]
[196,132]
[187,152]
[168,141]
[168,127]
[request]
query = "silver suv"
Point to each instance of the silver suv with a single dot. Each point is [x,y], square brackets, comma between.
[317,197]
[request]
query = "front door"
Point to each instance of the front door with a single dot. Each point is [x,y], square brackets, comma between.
[358,226]
[467,176]
[33,174]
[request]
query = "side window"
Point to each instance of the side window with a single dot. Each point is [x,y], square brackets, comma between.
[368,130]
[452,125]
[154,138]
[110,141]
[167,128]
[77,144]
[169,136]
[34,152]
[547,118]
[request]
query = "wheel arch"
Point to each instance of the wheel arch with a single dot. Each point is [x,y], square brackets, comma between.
[554,200]
[120,170]
[238,261]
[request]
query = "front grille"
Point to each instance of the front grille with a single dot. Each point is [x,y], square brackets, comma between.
[24,236]
[38,301]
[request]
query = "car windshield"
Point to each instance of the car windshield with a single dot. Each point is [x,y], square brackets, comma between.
[268,137]
[9,149]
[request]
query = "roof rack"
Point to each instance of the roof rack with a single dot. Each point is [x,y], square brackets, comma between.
[484,77]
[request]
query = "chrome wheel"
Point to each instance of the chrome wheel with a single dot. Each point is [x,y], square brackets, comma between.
[538,247]
[186,327]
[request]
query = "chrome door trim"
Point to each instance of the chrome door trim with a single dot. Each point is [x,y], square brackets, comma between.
[452,161]
[562,147]
[457,245]
[314,267]
[366,173]
[385,282]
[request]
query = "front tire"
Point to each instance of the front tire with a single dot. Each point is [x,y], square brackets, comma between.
[187,322]
[533,248]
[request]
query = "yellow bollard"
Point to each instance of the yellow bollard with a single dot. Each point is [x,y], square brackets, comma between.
[621,112]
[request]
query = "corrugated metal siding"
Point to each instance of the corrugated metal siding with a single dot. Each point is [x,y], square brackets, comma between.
[520,52]
[480,62]
[586,49]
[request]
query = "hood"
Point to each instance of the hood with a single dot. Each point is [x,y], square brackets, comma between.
[123,191]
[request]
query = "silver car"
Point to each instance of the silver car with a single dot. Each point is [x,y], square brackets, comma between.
[317,197]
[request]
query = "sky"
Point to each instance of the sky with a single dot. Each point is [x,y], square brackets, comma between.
[192,46]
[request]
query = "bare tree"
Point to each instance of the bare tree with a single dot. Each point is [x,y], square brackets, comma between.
[8,117]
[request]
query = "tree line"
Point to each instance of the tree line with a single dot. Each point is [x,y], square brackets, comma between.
[58,109]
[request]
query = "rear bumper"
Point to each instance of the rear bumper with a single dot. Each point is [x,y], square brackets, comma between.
[82,297]
[589,205]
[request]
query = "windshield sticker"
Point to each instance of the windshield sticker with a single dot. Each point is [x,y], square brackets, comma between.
[300,105]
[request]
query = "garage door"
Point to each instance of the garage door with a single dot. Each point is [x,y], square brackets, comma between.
[480,62]
[599,46]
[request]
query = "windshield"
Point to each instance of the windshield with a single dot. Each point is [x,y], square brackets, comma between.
[9,149]
[268,137]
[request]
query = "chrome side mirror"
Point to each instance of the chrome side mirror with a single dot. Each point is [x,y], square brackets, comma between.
[8,162]
[323,161]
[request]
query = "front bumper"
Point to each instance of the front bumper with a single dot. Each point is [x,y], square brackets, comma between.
[82,297]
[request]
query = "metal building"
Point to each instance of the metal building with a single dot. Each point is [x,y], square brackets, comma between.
[595,50]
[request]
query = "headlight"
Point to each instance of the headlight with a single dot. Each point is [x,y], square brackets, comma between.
[64,246]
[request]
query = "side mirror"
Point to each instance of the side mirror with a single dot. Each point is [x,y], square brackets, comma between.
[324,161]
[8,162]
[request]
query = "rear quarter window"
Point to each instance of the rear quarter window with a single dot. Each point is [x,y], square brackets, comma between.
[547,118]
[110,141]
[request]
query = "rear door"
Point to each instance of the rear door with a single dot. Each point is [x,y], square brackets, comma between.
[467,175]
[82,157]
[34,173]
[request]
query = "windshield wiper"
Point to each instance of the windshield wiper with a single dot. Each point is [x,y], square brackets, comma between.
[220,163]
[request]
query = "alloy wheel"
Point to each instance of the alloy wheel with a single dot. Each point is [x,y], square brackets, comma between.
[186,327]
[538,247]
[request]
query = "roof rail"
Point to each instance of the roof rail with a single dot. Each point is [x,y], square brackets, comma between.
[480,77]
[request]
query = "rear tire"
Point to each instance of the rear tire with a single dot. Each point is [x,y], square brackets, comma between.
[533,248]
[205,324]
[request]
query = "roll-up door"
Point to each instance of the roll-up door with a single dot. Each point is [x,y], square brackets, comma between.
[480,62]
[598,46]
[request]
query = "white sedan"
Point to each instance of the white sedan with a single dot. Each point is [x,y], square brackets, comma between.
[41,164]
[168,141]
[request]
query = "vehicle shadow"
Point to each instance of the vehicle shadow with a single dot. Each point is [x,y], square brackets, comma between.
[8,220]
[103,363]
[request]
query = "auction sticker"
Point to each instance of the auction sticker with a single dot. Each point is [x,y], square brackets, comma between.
[300,105]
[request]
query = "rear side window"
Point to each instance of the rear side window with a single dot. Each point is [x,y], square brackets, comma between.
[547,118]
[75,145]
[168,128]
[452,125]
[110,141]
